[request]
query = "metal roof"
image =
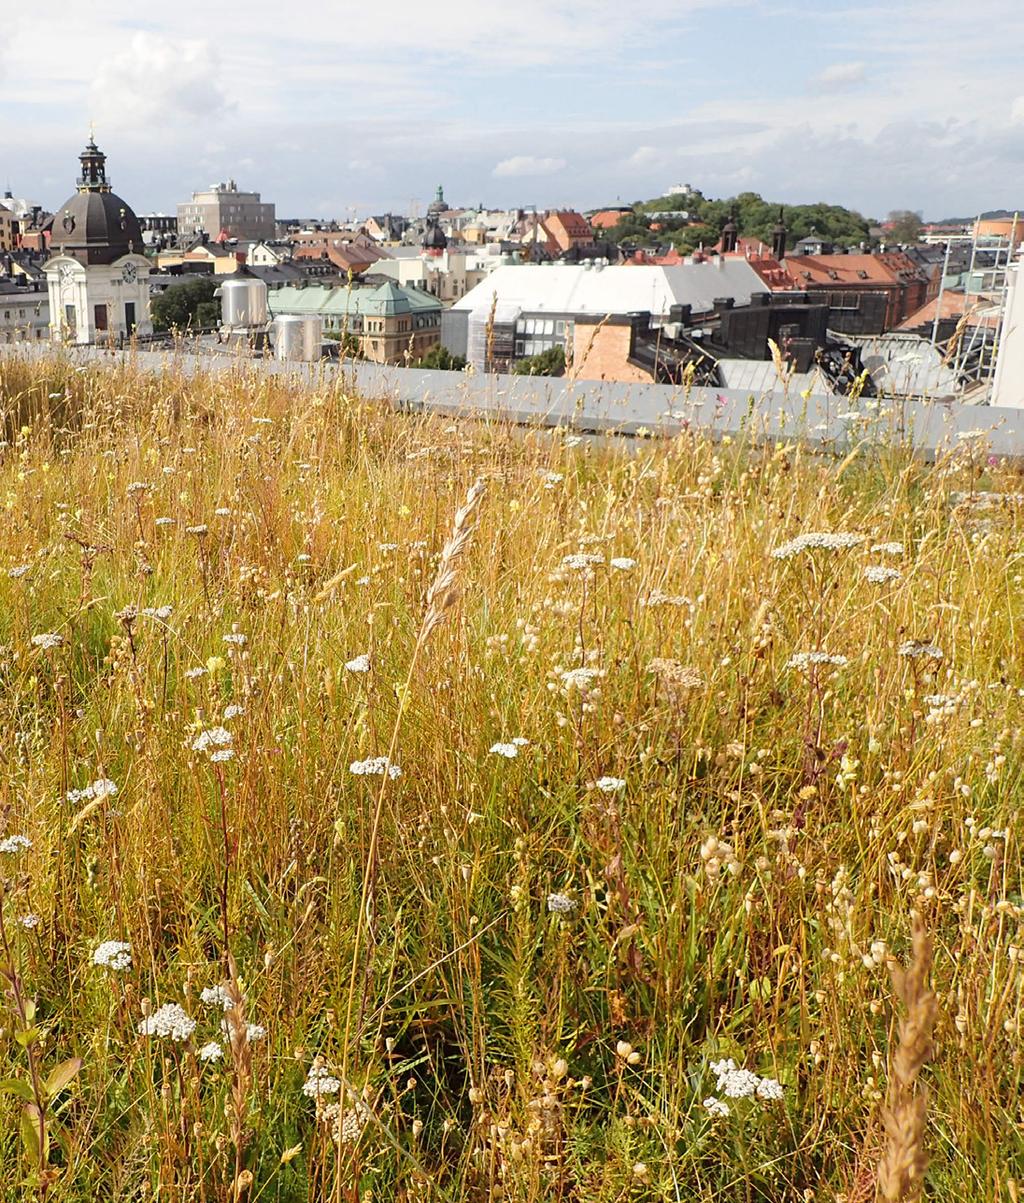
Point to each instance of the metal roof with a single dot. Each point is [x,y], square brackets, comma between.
[339,301]
[583,289]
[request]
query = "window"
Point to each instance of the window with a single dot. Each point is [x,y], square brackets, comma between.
[129,316]
[100,317]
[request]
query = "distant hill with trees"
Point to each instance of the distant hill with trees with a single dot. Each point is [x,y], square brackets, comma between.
[657,222]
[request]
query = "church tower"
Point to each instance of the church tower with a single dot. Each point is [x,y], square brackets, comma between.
[97,276]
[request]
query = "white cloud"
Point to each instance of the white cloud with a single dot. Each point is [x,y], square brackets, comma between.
[156,78]
[839,75]
[527,165]
[1017,111]
[647,156]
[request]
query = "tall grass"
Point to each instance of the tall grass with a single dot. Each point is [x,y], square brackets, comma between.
[518,973]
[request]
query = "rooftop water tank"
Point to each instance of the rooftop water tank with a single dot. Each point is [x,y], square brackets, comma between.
[297,338]
[243,303]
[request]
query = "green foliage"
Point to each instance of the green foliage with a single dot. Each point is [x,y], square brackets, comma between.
[547,363]
[186,305]
[441,359]
[755,217]
[905,225]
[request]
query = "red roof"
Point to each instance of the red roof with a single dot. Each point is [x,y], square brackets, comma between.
[977,309]
[607,218]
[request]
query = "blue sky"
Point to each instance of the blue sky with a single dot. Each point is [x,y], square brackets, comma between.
[337,110]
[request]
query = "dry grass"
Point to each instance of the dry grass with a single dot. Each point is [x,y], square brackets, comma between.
[498,974]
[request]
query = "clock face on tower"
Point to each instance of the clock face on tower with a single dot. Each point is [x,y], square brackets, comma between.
[65,274]
[129,273]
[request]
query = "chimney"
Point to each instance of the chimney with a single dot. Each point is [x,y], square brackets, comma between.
[779,237]
[730,236]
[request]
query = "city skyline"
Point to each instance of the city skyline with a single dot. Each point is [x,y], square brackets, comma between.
[865,107]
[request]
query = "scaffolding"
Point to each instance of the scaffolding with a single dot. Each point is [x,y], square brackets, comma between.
[972,348]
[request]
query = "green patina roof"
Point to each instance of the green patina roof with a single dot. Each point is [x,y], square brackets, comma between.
[386,301]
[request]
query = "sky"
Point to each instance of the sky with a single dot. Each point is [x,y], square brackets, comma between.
[334,110]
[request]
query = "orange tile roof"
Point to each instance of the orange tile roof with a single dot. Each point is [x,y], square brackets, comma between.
[892,267]
[977,309]
[607,218]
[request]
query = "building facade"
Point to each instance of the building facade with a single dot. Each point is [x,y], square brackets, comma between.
[24,313]
[97,278]
[222,208]
[385,325]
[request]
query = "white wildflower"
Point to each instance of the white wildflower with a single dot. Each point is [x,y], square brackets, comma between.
[509,751]
[193,674]
[163,521]
[623,563]
[561,904]
[319,1082]
[222,755]
[879,574]
[888,549]
[236,638]
[738,1083]
[359,664]
[812,540]
[581,561]
[170,1020]
[804,660]
[222,512]
[915,649]
[579,678]
[216,997]
[162,613]
[769,1089]
[376,766]
[201,529]
[15,843]
[30,921]
[48,640]
[115,955]
[214,737]
[716,1108]
[19,571]
[233,710]
[610,785]
[211,1052]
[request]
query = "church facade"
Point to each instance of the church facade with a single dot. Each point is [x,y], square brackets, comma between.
[97,276]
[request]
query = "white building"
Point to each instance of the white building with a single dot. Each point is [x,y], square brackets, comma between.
[97,277]
[1008,382]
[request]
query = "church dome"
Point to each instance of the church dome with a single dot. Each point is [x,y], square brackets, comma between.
[434,237]
[95,225]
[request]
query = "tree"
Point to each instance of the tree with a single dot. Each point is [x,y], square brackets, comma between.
[441,359]
[547,363]
[186,305]
[904,225]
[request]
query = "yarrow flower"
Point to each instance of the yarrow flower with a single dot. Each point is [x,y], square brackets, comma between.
[236,638]
[47,640]
[319,1082]
[18,572]
[211,1052]
[115,955]
[582,560]
[29,921]
[579,678]
[561,904]
[804,660]
[216,997]
[214,737]
[376,766]
[102,788]
[171,1020]
[222,755]
[510,751]
[162,613]
[15,843]
[193,674]
[879,574]
[716,1108]
[360,664]
[915,649]
[737,1083]
[623,563]
[812,540]
[233,711]
[610,785]
[888,549]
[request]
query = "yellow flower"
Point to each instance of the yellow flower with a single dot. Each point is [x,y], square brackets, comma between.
[214,665]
